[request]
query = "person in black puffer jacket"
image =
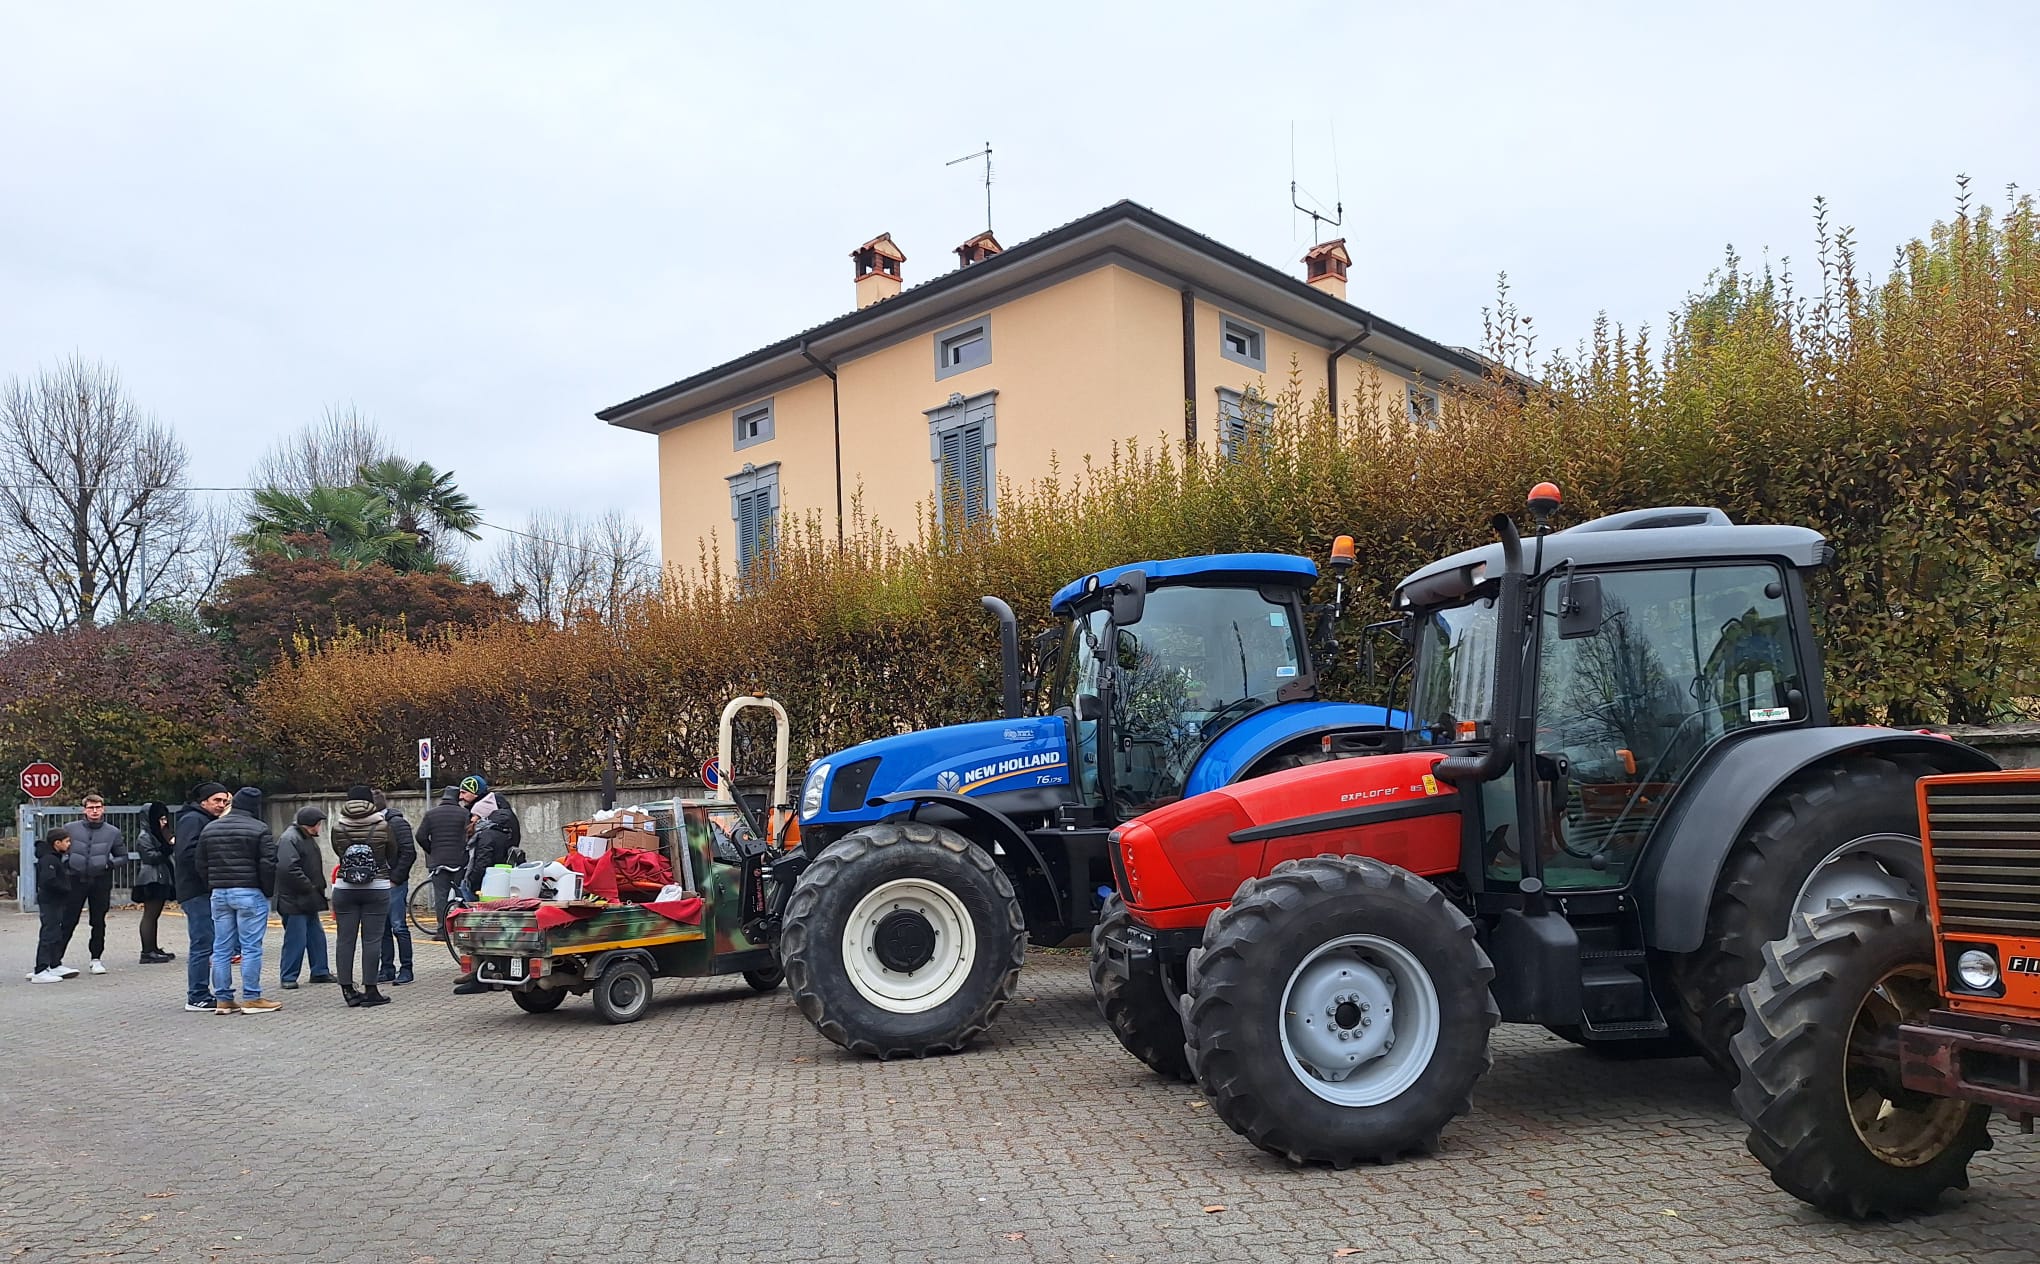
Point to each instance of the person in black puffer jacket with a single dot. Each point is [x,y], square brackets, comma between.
[443,838]
[155,878]
[237,858]
[209,800]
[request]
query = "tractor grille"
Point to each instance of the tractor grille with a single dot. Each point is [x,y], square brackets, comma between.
[1984,836]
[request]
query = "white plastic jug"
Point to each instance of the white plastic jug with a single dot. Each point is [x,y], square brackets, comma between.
[496,882]
[567,886]
[524,881]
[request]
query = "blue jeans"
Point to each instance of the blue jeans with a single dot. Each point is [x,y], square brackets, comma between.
[240,919]
[396,936]
[304,935]
[198,955]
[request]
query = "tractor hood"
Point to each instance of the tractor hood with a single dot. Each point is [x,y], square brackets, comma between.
[985,758]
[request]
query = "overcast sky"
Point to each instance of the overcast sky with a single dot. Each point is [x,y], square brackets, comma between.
[479,223]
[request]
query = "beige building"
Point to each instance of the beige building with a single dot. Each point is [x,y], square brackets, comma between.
[1121,325]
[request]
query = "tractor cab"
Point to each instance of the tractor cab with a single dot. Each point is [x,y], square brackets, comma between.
[1153,664]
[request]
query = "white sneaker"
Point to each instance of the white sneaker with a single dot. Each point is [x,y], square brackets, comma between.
[46,976]
[64,971]
[96,967]
[206,1008]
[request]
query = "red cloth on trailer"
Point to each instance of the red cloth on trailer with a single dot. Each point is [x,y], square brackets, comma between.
[685,909]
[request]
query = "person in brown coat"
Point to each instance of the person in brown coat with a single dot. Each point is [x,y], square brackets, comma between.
[365,847]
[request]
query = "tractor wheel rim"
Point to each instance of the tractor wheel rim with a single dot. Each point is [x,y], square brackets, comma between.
[1360,1020]
[1861,869]
[943,941]
[1901,1127]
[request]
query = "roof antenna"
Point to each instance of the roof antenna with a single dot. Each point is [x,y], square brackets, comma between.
[1316,210]
[986,154]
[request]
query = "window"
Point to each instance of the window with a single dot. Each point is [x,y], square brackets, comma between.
[961,437]
[1244,418]
[753,424]
[754,505]
[963,348]
[1243,343]
[1423,406]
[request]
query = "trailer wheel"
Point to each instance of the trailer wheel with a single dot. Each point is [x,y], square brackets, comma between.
[1844,832]
[767,978]
[624,992]
[1818,1056]
[1339,1012]
[539,1000]
[1142,1013]
[902,939]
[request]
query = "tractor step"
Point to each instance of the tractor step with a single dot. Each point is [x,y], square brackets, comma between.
[1641,1029]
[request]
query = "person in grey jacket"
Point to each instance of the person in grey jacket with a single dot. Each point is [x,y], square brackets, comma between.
[96,847]
[300,897]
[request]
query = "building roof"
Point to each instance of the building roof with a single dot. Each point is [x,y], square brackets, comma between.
[1125,232]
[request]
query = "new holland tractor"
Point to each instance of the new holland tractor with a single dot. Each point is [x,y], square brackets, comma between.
[1616,784]
[928,860]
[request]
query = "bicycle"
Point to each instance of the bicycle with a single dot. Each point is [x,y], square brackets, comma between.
[423,906]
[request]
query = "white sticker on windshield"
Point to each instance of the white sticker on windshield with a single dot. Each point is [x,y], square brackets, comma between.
[1764,715]
[1285,671]
[1274,618]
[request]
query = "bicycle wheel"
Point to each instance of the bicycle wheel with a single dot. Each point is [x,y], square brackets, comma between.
[424,908]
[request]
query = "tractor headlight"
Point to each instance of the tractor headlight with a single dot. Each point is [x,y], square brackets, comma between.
[1978,969]
[811,793]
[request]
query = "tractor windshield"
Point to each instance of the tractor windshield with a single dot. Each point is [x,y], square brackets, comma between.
[1199,661]
[1453,682]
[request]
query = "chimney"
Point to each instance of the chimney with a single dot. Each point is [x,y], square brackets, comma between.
[978,249]
[878,269]
[1324,266]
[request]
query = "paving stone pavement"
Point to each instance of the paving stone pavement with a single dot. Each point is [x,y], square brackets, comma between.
[442,1129]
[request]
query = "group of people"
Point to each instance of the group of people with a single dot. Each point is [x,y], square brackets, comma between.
[216,857]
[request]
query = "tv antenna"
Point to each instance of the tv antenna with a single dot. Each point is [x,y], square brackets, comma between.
[1316,210]
[986,154]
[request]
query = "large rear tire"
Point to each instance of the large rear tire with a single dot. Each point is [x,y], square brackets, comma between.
[1339,1011]
[903,939]
[1820,1085]
[1845,832]
[1140,1012]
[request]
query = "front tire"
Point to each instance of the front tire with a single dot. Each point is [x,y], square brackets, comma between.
[1339,1012]
[1140,1012]
[624,992]
[766,979]
[1820,1089]
[1846,832]
[902,939]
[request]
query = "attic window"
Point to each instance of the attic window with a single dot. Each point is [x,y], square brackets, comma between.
[1423,407]
[1243,343]
[963,348]
[753,424]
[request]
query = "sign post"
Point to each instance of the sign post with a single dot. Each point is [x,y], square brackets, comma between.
[425,769]
[41,781]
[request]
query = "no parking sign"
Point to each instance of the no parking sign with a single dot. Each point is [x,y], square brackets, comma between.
[711,773]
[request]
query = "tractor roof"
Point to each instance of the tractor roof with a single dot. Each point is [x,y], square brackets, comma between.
[1212,568]
[1677,533]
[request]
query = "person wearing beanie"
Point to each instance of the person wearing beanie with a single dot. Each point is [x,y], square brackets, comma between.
[208,802]
[237,858]
[443,838]
[366,848]
[299,898]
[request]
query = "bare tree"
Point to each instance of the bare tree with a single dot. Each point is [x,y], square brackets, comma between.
[94,520]
[570,565]
[326,453]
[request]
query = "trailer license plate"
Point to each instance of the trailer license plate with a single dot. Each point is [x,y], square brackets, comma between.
[504,969]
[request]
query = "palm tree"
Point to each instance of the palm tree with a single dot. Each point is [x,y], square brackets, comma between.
[352,525]
[423,502]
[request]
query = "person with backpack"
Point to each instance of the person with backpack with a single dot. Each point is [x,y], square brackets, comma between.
[367,848]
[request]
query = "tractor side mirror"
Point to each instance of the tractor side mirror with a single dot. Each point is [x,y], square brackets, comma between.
[1579,607]
[1128,651]
[1129,598]
[1089,707]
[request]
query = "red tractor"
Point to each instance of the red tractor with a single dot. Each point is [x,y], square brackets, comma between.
[1616,784]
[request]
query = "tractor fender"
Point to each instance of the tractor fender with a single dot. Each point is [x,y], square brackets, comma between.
[1675,884]
[998,826]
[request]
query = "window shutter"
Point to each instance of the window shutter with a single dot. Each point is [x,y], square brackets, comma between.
[972,439]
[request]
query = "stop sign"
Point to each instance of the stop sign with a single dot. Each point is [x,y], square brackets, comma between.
[41,780]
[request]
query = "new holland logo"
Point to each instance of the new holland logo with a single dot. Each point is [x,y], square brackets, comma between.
[946,780]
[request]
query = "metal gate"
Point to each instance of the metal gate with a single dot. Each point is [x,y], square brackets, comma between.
[41,822]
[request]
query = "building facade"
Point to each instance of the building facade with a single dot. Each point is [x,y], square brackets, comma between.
[1123,325]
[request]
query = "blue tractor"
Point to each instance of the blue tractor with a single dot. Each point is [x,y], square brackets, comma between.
[929,860]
